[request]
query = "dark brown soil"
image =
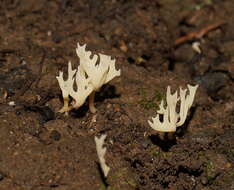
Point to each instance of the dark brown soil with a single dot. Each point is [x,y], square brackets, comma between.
[41,149]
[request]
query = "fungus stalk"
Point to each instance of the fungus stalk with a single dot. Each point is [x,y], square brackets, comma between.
[91,102]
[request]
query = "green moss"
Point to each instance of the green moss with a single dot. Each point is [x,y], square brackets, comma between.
[232,174]
[130,182]
[112,188]
[156,153]
[102,187]
[228,151]
[227,180]
[211,173]
[149,102]
[121,178]
[203,4]
[209,165]
[158,95]
[211,180]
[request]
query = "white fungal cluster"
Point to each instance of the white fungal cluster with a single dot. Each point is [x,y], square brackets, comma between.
[88,78]
[172,119]
[101,151]
[98,69]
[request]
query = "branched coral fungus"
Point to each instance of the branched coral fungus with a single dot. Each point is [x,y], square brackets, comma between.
[172,119]
[89,77]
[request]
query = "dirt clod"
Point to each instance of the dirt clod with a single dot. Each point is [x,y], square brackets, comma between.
[41,149]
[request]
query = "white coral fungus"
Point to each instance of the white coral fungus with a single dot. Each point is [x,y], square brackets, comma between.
[172,119]
[101,151]
[89,77]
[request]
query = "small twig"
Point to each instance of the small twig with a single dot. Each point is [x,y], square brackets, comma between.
[41,63]
[36,81]
[198,34]
[25,88]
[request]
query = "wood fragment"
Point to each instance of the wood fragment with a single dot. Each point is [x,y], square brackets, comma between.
[198,34]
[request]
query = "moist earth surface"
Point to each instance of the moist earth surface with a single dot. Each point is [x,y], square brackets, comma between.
[153,44]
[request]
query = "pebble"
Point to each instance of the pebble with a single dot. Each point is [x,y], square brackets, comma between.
[204,181]
[55,135]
